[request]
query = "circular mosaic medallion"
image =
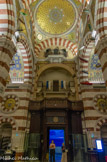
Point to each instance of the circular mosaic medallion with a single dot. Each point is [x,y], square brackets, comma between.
[56,17]
[10,103]
[100,103]
[55,119]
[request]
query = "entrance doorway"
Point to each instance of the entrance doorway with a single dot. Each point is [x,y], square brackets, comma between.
[58,136]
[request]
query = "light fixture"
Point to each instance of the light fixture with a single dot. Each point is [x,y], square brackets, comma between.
[88,1]
[17,34]
[94,32]
[82,48]
[39,36]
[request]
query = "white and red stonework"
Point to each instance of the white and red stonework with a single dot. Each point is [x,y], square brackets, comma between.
[94,116]
[56,42]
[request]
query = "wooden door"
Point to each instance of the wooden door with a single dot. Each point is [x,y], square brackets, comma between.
[56,85]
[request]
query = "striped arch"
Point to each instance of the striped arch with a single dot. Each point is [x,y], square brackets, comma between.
[84,58]
[81,1]
[80,17]
[101,21]
[56,42]
[100,123]
[101,50]
[7,25]
[9,120]
[26,5]
[78,23]
[27,59]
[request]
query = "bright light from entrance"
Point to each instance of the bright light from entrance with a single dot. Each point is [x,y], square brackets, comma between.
[99,144]
[57,135]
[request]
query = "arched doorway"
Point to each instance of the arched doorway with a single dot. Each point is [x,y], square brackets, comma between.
[5,136]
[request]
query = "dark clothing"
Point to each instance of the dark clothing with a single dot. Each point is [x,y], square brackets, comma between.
[63,148]
[52,155]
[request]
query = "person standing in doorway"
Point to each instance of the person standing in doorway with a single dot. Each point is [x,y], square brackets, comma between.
[52,151]
[64,153]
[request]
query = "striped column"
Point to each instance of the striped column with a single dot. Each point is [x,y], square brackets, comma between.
[85,56]
[78,78]
[27,60]
[103,60]
[7,50]
[101,50]
[33,81]
[84,2]
[7,25]
[20,116]
[101,22]
[90,115]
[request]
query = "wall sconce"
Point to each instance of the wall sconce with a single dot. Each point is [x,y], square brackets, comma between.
[94,33]
[17,35]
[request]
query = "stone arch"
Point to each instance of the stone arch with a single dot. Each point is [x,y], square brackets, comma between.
[27,59]
[84,58]
[9,120]
[7,25]
[31,1]
[42,69]
[99,123]
[56,42]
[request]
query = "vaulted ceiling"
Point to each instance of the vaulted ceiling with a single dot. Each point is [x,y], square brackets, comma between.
[42,20]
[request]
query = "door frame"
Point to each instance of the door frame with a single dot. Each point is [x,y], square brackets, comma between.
[46,136]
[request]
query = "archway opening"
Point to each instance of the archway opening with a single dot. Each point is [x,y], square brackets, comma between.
[5,136]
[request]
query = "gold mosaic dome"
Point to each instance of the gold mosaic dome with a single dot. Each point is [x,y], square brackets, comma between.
[56,17]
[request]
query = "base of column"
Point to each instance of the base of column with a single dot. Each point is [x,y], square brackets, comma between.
[92,155]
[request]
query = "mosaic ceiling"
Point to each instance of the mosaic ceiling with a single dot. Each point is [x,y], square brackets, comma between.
[56,17]
[52,18]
